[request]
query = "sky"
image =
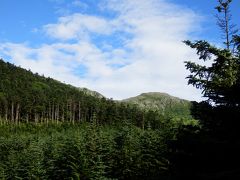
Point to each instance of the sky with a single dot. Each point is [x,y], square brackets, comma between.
[120,48]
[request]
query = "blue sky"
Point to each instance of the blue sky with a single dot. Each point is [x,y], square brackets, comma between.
[117,47]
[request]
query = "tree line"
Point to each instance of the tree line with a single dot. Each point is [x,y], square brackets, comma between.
[29,97]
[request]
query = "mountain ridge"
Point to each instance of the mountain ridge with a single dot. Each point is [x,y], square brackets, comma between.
[162,102]
[27,97]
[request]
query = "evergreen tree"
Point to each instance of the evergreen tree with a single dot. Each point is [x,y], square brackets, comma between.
[219,82]
[224,22]
[212,151]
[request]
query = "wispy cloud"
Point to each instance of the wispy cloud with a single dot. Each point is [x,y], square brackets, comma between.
[79,4]
[77,26]
[139,49]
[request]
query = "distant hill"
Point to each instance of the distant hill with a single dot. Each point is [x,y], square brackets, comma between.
[91,93]
[162,102]
[29,97]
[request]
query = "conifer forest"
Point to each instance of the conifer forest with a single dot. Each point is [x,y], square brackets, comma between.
[53,130]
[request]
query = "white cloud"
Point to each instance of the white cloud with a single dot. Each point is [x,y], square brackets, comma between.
[77,26]
[46,60]
[148,55]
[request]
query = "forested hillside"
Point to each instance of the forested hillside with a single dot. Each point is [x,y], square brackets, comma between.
[50,130]
[163,103]
[28,97]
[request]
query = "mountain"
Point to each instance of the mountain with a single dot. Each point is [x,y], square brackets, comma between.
[162,102]
[29,97]
[91,93]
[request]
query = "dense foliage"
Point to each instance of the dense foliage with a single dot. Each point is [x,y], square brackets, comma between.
[213,152]
[28,97]
[220,81]
[50,130]
[163,103]
[83,151]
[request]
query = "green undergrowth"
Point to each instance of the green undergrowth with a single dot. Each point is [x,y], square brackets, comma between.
[83,151]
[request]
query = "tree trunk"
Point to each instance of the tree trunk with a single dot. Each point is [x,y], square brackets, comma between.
[57,113]
[12,112]
[27,118]
[49,112]
[73,113]
[52,112]
[63,113]
[79,111]
[6,112]
[17,113]
[36,117]
[70,111]
[42,116]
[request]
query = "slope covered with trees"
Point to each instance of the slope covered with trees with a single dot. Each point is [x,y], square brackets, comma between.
[74,133]
[28,97]
[25,96]
[50,130]
[163,103]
